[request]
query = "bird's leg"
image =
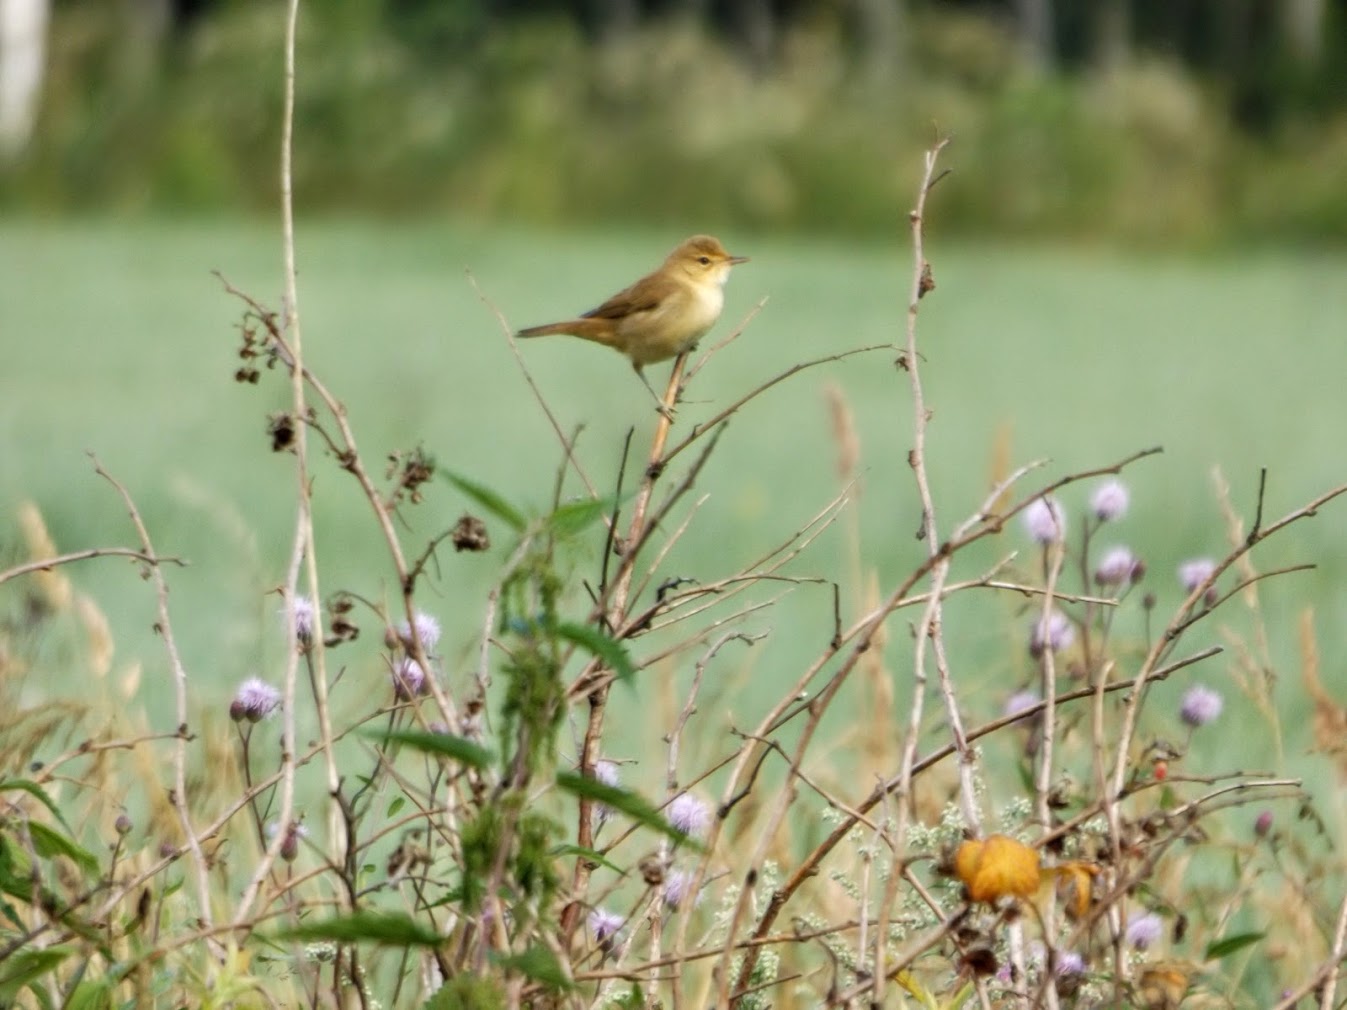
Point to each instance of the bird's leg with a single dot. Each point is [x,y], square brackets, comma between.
[660,405]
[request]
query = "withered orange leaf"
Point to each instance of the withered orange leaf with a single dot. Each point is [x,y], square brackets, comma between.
[1074,883]
[996,868]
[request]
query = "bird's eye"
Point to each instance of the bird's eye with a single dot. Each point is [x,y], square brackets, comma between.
[704,260]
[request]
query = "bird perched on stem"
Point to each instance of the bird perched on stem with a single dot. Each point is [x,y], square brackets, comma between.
[664,313]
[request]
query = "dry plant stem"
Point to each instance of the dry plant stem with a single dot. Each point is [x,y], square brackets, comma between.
[1055,557]
[303,527]
[780,939]
[700,429]
[1181,620]
[809,866]
[930,627]
[348,455]
[816,707]
[47,564]
[1327,973]
[179,674]
[566,444]
[617,604]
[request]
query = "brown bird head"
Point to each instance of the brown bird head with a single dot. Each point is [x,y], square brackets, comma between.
[703,258]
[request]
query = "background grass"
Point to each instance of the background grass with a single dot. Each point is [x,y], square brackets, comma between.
[118,340]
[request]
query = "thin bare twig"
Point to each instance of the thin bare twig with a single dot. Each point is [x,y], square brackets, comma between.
[179,673]
[47,564]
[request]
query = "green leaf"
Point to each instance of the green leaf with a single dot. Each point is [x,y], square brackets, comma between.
[48,842]
[575,517]
[371,927]
[488,499]
[37,792]
[27,966]
[539,964]
[593,855]
[619,799]
[446,744]
[91,995]
[1227,945]
[594,641]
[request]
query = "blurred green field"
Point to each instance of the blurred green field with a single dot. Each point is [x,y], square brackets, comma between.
[117,339]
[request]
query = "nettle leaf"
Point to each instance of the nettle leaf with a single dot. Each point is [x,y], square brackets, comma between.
[1227,945]
[48,842]
[28,966]
[37,792]
[391,928]
[488,499]
[445,744]
[575,517]
[621,800]
[595,642]
[539,964]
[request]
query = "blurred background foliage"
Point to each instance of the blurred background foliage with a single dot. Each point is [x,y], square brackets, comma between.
[1193,121]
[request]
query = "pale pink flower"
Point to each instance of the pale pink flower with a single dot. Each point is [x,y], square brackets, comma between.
[1110,500]
[255,700]
[1045,520]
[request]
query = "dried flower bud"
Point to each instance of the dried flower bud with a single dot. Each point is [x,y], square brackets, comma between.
[470,534]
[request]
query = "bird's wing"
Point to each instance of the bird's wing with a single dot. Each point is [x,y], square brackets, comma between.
[643,296]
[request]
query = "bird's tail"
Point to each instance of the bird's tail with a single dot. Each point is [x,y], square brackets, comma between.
[601,331]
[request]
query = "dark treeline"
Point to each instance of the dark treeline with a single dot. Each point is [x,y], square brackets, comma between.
[1139,120]
[1272,58]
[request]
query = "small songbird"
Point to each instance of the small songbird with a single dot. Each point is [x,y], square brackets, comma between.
[664,313]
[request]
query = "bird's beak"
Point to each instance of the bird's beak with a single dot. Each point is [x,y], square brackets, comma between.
[736,260]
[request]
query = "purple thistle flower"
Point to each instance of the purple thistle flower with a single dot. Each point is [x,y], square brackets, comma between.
[1069,963]
[605,771]
[1045,521]
[409,679]
[1053,632]
[1110,500]
[1019,701]
[1144,930]
[688,814]
[677,885]
[426,626]
[604,924]
[1200,706]
[1193,573]
[1263,825]
[1118,565]
[254,701]
[306,618]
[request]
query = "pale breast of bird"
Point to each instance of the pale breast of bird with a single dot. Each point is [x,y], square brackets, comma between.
[689,314]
